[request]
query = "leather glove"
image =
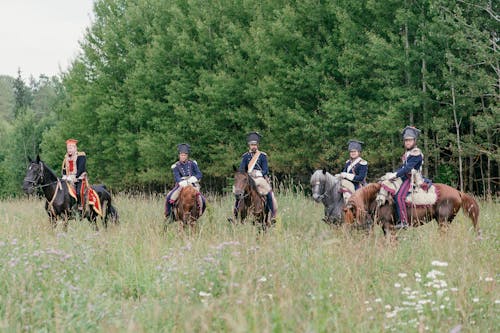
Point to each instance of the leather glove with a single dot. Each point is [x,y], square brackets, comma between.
[192,180]
[183,183]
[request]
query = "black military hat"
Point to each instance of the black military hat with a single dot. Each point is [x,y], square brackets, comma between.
[355,145]
[183,148]
[410,132]
[253,138]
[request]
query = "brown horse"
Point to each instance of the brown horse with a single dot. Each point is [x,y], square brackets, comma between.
[189,207]
[362,209]
[249,201]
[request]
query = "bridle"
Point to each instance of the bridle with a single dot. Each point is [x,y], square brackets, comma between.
[245,192]
[322,188]
[35,183]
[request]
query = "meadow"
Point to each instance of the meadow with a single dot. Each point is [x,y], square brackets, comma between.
[301,276]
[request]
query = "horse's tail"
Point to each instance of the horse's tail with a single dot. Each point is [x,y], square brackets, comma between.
[471,209]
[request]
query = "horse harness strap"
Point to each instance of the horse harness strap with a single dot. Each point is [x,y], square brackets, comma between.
[322,195]
[51,202]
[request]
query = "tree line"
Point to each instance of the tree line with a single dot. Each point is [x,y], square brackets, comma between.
[308,75]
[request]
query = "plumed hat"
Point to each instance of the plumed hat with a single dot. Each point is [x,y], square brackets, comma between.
[410,132]
[253,138]
[183,148]
[71,142]
[355,145]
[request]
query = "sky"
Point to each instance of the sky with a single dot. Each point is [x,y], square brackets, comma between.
[41,36]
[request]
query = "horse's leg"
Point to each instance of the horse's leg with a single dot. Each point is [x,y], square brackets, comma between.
[443,215]
[105,209]
[65,222]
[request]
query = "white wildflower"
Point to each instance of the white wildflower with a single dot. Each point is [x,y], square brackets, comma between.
[439,263]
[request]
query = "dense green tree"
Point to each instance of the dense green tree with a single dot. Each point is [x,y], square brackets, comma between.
[308,75]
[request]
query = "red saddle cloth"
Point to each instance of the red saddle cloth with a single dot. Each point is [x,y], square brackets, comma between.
[92,197]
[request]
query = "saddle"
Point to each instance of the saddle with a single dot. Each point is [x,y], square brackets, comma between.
[261,183]
[421,193]
[347,186]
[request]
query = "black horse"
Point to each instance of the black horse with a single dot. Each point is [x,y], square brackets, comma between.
[60,204]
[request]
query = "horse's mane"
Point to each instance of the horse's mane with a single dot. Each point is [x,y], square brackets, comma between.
[330,180]
[48,170]
[362,197]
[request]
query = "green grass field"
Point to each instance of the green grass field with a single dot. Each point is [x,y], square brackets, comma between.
[302,276]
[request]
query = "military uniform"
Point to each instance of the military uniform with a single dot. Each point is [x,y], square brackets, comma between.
[184,173]
[258,169]
[412,160]
[354,172]
[74,168]
[260,165]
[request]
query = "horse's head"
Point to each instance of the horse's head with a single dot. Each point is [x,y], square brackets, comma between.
[34,175]
[241,184]
[318,185]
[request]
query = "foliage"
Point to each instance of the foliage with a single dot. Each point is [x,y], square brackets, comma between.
[308,75]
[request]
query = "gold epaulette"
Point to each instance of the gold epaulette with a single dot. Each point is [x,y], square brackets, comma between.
[363,162]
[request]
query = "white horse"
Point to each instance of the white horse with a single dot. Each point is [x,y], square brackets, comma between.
[326,189]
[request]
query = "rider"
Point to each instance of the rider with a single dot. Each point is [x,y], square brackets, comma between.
[254,162]
[74,167]
[412,159]
[185,172]
[355,170]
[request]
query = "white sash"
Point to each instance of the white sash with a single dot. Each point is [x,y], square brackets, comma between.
[353,163]
[253,161]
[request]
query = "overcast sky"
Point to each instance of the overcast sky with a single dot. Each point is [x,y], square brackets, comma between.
[41,36]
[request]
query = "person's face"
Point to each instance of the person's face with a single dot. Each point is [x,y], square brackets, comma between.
[183,157]
[71,149]
[354,154]
[409,143]
[253,147]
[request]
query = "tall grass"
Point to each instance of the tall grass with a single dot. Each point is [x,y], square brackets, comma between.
[301,276]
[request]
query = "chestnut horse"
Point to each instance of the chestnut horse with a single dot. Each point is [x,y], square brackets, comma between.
[189,207]
[249,201]
[362,209]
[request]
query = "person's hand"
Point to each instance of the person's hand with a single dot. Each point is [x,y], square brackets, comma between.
[183,183]
[192,180]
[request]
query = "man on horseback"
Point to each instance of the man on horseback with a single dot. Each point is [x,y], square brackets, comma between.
[354,173]
[254,162]
[412,160]
[186,172]
[74,168]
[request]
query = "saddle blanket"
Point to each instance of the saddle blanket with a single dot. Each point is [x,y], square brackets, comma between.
[93,197]
[423,195]
[420,197]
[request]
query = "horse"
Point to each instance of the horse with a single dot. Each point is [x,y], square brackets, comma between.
[59,203]
[189,207]
[362,208]
[250,202]
[326,189]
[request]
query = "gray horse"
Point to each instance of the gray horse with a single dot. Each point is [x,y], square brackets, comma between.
[326,189]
